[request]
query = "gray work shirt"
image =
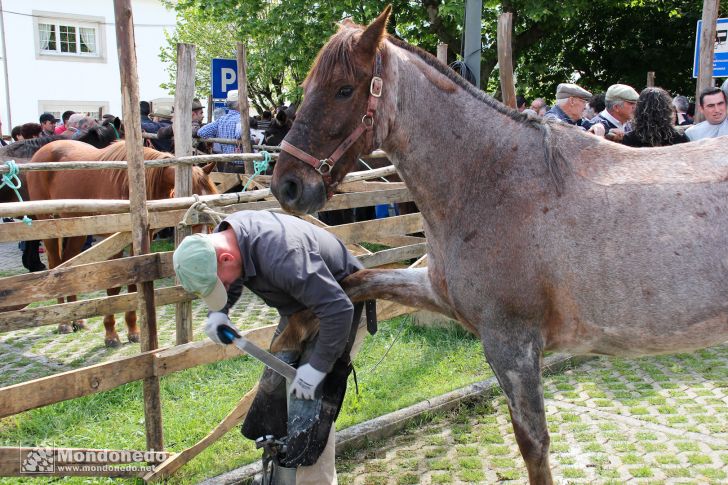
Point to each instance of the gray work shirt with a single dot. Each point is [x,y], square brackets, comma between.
[293,265]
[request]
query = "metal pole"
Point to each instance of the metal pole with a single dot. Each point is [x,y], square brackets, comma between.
[9,120]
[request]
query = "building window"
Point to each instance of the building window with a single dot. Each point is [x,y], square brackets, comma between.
[68,38]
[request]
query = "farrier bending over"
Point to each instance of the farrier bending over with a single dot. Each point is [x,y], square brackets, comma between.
[292,265]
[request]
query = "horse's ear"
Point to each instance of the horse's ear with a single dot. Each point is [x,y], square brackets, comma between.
[374,33]
[117,123]
[208,168]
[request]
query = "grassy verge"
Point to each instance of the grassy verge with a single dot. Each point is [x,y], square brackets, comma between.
[422,363]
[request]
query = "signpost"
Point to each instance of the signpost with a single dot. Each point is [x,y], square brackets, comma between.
[224,74]
[720,56]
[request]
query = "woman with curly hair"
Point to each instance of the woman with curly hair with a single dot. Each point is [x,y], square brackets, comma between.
[653,125]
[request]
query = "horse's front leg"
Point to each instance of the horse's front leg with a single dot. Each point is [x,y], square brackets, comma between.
[514,349]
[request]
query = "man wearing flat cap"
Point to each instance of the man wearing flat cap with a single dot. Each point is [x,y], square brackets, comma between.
[167,132]
[570,103]
[620,101]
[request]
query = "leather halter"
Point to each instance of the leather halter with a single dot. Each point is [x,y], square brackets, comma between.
[326,165]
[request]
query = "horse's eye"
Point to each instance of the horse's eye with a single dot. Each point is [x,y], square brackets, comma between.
[345,92]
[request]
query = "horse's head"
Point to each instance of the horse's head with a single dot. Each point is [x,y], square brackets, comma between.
[105,134]
[338,120]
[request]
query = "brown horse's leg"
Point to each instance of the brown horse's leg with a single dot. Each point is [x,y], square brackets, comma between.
[111,338]
[71,248]
[131,320]
[513,349]
[53,252]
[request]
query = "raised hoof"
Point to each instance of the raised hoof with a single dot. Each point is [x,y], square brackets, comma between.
[134,338]
[64,328]
[112,343]
[79,325]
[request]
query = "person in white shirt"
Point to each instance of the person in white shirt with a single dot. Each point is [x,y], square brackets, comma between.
[713,107]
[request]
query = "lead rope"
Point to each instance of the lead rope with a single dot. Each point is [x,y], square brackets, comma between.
[202,208]
[11,180]
[259,166]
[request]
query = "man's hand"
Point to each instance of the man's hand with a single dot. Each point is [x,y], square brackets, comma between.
[215,320]
[306,381]
[615,134]
[597,129]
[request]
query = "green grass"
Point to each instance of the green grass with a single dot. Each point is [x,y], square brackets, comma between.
[422,363]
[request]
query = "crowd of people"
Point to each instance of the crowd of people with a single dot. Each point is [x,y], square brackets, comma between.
[268,128]
[72,125]
[651,118]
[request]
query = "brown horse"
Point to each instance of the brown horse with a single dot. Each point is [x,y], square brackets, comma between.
[544,238]
[100,184]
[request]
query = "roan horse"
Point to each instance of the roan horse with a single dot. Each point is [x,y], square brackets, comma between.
[545,237]
[100,184]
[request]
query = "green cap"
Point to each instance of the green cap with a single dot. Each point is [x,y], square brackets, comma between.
[195,263]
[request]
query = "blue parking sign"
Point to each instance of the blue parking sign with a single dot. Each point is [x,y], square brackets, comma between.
[224,74]
[720,54]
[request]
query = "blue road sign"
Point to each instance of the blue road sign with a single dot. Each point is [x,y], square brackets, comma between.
[720,56]
[224,74]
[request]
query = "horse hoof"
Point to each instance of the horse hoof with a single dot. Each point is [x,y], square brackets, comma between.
[65,328]
[79,325]
[134,338]
[112,343]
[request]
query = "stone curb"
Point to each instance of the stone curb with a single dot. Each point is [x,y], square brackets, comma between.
[360,435]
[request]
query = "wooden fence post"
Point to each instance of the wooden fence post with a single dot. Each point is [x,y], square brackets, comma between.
[243,105]
[505,59]
[183,94]
[707,46]
[139,215]
[442,53]
[650,79]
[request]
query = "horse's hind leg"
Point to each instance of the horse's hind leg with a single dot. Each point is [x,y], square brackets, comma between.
[111,338]
[514,353]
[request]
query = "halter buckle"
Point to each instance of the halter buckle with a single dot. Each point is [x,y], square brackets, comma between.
[367,120]
[324,167]
[375,87]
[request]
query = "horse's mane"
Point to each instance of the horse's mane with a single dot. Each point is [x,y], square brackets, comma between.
[338,53]
[27,148]
[154,176]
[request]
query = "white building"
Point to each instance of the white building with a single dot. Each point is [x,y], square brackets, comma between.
[61,55]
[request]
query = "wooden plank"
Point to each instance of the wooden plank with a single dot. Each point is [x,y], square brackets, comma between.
[243,107]
[706,54]
[225,181]
[396,241]
[442,53]
[505,59]
[11,459]
[110,246]
[82,226]
[235,416]
[183,94]
[63,312]
[109,375]
[44,285]
[360,231]
[363,199]
[364,186]
[392,255]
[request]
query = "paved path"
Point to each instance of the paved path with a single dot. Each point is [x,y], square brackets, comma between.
[660,420]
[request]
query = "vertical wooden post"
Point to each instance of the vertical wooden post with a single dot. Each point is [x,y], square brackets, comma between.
[707,47]
[183,94]
[442,53]
[210,108]
[243,105]
[505,59]
[138,208]
[650,79]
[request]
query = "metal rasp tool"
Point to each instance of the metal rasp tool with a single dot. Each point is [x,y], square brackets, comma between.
[230,335]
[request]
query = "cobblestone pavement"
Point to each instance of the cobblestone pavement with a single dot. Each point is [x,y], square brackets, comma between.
[645,421]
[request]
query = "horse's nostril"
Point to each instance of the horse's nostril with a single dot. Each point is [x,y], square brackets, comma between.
[291,190]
